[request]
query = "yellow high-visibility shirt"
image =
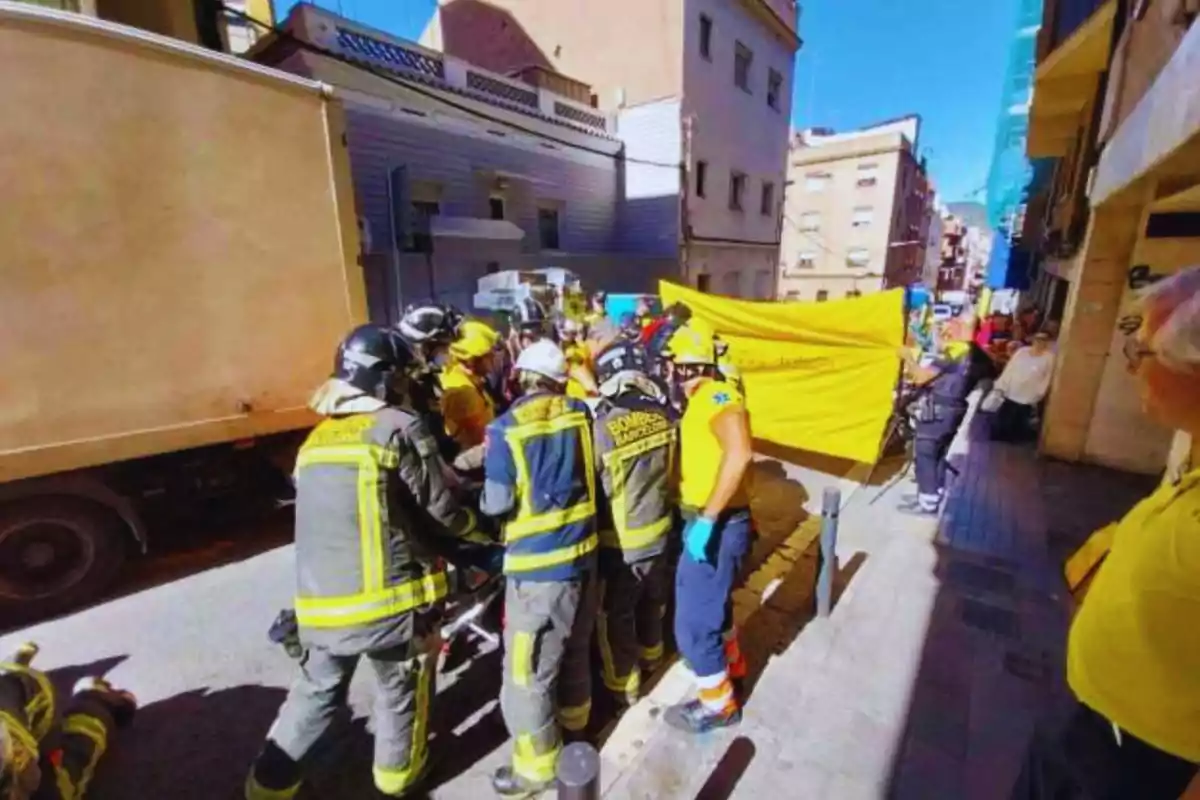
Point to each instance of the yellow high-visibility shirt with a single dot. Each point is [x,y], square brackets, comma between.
[577,355]
[700,451]
[466,407]
[1134,649]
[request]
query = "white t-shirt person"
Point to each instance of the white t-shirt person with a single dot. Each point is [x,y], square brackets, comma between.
[1026,376]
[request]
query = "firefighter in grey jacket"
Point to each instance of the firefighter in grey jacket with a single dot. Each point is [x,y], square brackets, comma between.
[371,512]
[635,458]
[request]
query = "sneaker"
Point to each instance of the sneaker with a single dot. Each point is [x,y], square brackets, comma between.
[507,783]
[917,510]
[121,704]
[695,717]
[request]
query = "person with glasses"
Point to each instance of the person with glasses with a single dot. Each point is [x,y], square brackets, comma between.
[1133,653]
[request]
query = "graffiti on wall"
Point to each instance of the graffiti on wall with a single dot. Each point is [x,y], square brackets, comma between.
[1139,277]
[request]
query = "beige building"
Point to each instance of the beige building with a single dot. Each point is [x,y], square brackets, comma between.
[1115,102]
[856,213]
[706,84]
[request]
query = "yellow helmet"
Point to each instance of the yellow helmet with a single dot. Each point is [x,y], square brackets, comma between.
[693,343]
[475,340]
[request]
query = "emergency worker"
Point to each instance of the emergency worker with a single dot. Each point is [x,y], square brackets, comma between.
[527,324]
[372,511]
[598,309]
[42,755]
[467,406]
[941,391]
[581,383]
[635,440]
[429,331]
[540,480]
[715,455]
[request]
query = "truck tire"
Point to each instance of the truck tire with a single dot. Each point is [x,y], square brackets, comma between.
[56,553]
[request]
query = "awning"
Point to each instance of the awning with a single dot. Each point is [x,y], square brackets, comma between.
[474,228]
[1066,81]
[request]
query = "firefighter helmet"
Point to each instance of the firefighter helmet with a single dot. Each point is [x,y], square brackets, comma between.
[544,358]
[370,359]
[621,357]
[430,325]
[475,340]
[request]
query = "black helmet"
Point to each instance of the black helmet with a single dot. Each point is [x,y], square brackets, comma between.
[621,357]
[431,324]
[370,358]
[528,316]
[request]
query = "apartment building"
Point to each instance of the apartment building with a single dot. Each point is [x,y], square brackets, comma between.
[705,84]
[1115,105]
[459,171]
[856,212]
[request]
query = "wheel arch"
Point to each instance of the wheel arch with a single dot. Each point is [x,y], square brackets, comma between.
[84,485]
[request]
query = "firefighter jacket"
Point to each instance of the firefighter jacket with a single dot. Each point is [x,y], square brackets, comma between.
[635,445]
[370,506]
[540,480]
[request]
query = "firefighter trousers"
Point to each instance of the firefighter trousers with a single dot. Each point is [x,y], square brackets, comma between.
[404,679]
[629,626]
[547,671]
[72,749]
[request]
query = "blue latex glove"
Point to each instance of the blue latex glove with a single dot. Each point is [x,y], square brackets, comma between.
[696,537]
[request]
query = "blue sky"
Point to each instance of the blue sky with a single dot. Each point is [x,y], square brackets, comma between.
[862,61]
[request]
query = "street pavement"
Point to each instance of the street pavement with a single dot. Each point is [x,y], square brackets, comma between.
[943,647]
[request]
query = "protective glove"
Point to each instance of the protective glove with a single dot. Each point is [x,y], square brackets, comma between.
[696,537]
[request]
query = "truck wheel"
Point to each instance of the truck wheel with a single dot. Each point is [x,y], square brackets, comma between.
[55,554]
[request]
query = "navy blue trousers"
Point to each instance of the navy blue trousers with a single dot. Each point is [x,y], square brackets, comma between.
[703,610]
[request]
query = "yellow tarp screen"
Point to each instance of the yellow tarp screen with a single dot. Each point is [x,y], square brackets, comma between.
[819,376]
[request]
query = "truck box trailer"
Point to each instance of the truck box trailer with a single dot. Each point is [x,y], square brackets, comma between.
[180,259]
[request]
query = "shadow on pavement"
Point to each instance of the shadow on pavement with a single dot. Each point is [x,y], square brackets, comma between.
[724,779]
[871,475]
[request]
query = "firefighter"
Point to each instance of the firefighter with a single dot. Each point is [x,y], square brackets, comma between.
[715,455]
[429,330]
[371,512]
[635,459]
[42,755]
[941,405]
[467,406]
[540,480]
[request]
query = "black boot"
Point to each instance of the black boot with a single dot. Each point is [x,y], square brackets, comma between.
[507,783]
[121,704]
[695,717]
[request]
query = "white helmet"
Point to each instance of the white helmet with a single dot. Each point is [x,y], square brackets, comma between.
[545,358]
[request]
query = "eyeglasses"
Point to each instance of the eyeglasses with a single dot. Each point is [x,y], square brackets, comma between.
[1135,352]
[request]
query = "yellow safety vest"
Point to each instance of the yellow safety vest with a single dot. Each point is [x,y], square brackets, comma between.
[466,407]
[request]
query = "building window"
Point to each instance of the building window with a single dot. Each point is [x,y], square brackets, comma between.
[762,284]
[495,207]
[767,206]
[701,177]
[706,36]
[774,88]
[854,293]
[807,259]
[868,175]
[420,240]
[816,181]
[858,257]
[810,222]
[742,57]
[702,282]
[792,295]
[492,267]
[822,295]
[731,284]
[737,190]
[548,228]
[862,216]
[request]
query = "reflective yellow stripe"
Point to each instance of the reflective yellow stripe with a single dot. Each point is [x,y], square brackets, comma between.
[256,791]
[393,781]
[336,612]
[615,461]
[527,522]
[518,562]
[95,730]
[19,732]
[522,658]
[39,710]
[575,718]
[531,765]
[652,654]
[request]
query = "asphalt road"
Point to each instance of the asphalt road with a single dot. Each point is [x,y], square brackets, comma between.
[186,632]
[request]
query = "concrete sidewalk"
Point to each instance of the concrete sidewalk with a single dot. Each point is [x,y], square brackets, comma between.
[945,645]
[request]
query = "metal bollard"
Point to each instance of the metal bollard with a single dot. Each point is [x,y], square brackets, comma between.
[831,502]
[579,772]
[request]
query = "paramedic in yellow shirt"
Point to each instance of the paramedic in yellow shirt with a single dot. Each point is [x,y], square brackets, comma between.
[581,383]
[1133,655]
[466,405]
